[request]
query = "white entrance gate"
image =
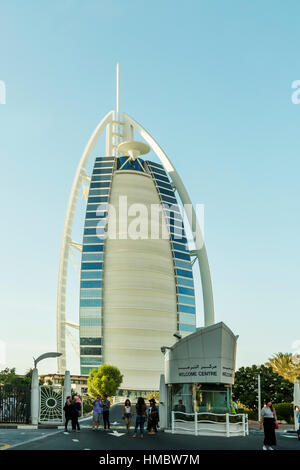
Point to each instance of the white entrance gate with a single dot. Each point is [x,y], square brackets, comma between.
[51,405]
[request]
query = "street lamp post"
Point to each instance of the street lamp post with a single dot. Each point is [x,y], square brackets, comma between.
[259,397]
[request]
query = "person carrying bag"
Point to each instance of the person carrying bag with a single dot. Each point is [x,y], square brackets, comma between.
[269,422]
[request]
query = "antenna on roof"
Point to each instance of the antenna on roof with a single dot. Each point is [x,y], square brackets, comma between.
[118,91]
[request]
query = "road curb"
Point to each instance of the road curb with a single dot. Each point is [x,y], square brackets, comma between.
[30,427]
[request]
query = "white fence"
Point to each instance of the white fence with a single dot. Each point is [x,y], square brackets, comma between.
[225,425]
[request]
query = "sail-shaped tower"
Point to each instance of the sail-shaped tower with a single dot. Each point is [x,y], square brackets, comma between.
[136,277]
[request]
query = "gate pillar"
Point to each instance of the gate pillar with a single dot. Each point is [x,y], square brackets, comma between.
[67,385]
[35,397]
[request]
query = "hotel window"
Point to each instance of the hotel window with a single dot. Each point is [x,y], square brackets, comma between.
[91,361]
[90,284]
[99,192]
[90,303]
[91,274]
[186,300]
[94,200]
[90,312]
[183,264]
[180,246]
[166,191]
[185,290]
[184,318]
[95,215]
[90,248]
[160,177]
[183,327]
[105,184]
[90,351]
[186,309]
[88,240]
[184,273]
[185,282]
[90,293]
[91,265]
[92,223]
[105,159]
[181,255]
[101,178]
[90,341]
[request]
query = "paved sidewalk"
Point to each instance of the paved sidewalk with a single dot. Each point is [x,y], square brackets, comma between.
[28,427]
[282,427]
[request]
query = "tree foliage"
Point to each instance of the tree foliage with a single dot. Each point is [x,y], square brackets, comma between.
[283,364]
[273,386]
[154,395]
[9,378]
[104,381]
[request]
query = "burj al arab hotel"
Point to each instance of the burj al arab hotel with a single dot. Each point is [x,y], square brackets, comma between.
[136,290]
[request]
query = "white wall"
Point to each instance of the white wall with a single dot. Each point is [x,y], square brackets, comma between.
[139,294]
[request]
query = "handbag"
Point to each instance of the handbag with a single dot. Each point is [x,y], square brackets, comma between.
[276,423]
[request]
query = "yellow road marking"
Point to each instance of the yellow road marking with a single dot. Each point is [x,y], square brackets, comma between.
[4,446]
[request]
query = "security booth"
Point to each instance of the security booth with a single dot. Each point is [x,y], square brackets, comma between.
[199,374]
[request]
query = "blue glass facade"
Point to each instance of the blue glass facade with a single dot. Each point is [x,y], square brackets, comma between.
[92,265]
[181,257]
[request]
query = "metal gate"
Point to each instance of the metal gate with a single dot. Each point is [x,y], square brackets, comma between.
[51,405]
[14,404]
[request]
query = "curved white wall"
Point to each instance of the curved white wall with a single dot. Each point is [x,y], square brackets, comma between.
[139,293]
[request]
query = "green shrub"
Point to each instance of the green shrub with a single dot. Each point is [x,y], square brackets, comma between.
[242,410]
[284,411]
[87,406]
[220,410]
[252,414]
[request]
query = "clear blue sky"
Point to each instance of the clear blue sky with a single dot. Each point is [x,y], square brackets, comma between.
[212,82]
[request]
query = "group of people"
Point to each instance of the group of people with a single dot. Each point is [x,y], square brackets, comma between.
[151,416]
[72,411]
[101,407]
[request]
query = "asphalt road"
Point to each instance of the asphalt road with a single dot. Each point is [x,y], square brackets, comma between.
[116,439]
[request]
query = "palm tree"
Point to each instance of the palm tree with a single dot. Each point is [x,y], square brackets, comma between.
[283,364]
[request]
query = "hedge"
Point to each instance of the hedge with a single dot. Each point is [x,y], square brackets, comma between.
[285,411]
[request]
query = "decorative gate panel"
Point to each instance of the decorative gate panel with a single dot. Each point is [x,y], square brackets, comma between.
[51,405]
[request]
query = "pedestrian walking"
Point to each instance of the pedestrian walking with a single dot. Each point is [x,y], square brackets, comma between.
[153,417]
[68,409]
[269,421]
[140,416]
[127,414]
[97,412]
[105,407]
[76,413]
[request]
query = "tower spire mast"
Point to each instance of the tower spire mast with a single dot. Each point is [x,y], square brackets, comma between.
[118,91]
[118,107]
